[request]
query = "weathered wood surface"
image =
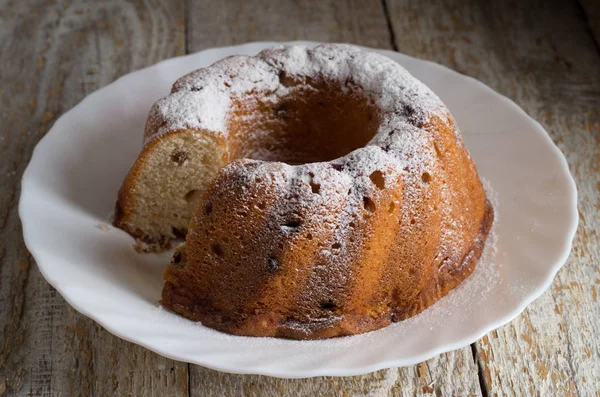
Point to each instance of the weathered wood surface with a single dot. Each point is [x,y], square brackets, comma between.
[592,11]
[55,53]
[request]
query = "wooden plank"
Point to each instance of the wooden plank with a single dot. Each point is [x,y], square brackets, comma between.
[217,24]
[54,53]
[357,22]
[592,12]
[541,55]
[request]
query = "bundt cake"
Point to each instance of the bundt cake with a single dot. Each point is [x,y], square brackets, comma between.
[329,193]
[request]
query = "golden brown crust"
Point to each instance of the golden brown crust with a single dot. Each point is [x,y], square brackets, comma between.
[277,325]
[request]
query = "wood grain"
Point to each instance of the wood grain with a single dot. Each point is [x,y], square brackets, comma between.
[212,24]
[55,53]
[550,66]
[592,12]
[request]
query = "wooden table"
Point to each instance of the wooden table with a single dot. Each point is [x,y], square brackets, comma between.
[544,55]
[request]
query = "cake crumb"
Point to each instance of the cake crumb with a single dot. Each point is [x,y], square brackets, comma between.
[104,227]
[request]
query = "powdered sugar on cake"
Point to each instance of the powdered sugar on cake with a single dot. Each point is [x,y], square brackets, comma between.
[202,99]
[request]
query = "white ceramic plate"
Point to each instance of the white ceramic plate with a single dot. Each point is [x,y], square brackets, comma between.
[70,186]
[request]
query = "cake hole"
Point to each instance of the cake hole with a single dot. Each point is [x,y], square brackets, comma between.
[443,262]
[392,207]
[261,304]
[208,208]
[337,167]
[413,221]
[162,124]
[328,305]
[284,79]
[408,110]
[196,89]
[179,233]
[282,109]
[336,246]
[217,250]
[378,179]
[227,84]
[437,150]
[369,204]
[351,225]
[272,265]
[192,196]
[261,206]
[258,180]
[426,177]
[179,156]
[291,226]
[309,236]
[315,187]
[319,120]
[177,258]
